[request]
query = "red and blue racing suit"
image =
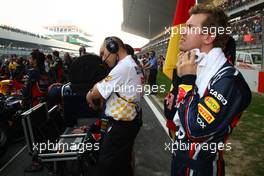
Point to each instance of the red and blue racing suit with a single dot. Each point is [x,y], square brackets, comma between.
[205,121]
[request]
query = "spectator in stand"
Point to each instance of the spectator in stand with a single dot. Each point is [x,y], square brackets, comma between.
[257,26]
[232,4]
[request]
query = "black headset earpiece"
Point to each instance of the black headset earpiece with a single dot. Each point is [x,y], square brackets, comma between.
[111,45]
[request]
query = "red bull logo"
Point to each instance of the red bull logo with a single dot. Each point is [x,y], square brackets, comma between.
[183,90]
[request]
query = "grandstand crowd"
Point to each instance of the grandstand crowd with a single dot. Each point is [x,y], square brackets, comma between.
[247,29]
[232,4]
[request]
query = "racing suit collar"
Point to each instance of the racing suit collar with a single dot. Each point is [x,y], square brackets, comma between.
[208,67]
[207,58]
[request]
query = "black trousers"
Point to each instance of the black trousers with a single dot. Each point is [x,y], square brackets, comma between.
[115,157]
[181,165]
[153,77]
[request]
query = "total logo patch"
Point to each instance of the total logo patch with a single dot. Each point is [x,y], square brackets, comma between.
[205,114]
[212,104]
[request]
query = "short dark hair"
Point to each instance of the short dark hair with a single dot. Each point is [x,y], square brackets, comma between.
[216,17]
[56,53]
[49,56]
[129,49]
[85,71]
[153,52]
[39,57]
[82,50]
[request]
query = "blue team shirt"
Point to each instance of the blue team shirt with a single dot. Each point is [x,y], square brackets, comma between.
[154,63]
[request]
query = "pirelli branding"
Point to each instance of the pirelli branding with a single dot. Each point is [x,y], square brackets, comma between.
[205,114]
[212,104]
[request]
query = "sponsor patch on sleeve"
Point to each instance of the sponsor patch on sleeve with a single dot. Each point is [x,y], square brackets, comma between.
[212,104]
[183,88]
[108,78]
[182,91]
[205,114]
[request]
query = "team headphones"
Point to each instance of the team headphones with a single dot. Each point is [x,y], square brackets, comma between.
[112,47]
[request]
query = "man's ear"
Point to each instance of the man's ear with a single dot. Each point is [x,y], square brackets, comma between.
[209,39]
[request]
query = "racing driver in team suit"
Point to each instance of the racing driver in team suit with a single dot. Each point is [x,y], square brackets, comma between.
[211,96]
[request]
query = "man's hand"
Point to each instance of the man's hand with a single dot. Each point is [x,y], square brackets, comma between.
[94,99]
[186,64]
[89,99]
[146,66]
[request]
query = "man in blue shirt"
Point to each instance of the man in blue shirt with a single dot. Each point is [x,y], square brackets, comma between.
[153,66]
